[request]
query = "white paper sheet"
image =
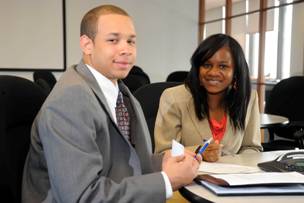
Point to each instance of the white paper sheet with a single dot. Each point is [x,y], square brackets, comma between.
[262,178]
[177,148]
[222,168]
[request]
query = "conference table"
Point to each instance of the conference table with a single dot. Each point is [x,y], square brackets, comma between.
[270,120]
[198,193]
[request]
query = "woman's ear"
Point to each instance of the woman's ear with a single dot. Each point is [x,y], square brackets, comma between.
[86,44]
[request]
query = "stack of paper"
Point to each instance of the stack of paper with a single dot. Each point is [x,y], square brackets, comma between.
[231,179]
[265,178]
[222,168]
[295,189]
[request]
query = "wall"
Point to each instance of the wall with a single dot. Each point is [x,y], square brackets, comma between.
[166,33]
[297,41]
[31,34]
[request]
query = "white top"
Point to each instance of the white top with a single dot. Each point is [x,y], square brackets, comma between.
[109,89]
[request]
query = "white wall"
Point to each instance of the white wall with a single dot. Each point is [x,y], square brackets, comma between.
[31,34]
[166,33]
[297,41]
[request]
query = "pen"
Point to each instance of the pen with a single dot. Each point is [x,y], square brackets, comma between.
[203,148]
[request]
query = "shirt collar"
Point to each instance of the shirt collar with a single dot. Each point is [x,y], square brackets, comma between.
[109,89]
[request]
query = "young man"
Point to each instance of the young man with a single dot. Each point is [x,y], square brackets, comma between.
[90,142]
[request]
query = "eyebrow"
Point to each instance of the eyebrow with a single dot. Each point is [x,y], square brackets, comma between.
[115,34]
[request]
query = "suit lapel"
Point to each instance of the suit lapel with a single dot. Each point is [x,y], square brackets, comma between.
[83,70]
[201,126]
[142,144]
[137,121]
[139,131]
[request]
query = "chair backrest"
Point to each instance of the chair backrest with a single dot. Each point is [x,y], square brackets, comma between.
[177,76]
[287,99]
[20,100]
[136,79]
[148,97]
[45,79]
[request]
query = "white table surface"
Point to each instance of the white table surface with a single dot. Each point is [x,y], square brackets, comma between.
[269,120]
[246,160]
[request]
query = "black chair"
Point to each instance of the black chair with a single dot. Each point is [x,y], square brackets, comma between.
[148,97]
[286,99]
[20,100]
[177,76]
[45,79]
[136,79]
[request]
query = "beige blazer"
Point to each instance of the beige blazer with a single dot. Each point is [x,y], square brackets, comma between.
[176,119]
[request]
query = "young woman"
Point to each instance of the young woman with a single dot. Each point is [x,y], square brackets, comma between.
[215,101]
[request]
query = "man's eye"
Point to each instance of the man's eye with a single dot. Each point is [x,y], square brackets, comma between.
[113,40]
[131,42]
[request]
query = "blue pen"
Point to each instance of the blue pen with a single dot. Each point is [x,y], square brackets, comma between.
[204,147]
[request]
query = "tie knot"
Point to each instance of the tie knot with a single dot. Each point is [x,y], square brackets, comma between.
[119,99]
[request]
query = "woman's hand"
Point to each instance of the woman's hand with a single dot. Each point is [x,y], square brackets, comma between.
[212,153]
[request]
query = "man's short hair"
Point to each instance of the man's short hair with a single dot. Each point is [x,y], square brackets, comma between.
[89,23]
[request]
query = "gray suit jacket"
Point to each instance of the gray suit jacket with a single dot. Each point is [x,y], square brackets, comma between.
[77,153]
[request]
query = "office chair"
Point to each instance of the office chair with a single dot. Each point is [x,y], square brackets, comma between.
[20,100]
[136,79]
[148,97]
[177,76]
[45,79]
[287,99]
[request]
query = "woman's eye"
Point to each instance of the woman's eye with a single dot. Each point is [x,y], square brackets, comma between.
[206,65]
[223,66]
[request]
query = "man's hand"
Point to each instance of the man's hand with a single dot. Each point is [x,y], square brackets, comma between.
[213,152]
[181,170]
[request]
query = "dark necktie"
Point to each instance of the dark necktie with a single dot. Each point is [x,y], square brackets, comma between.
[122,116]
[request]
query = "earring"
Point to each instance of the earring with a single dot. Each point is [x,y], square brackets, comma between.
[234,86]
[229,88]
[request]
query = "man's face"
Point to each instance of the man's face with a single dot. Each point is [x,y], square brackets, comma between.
[113,51]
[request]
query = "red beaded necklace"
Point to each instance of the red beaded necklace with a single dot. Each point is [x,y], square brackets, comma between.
[218,128]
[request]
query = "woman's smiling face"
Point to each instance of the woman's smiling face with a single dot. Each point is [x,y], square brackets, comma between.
[216,74]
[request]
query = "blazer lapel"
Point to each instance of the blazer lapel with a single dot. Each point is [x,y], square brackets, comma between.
[83,70]
[139,131]
[137,121]
[201,126]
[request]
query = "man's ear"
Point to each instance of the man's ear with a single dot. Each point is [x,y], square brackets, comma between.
[86,44]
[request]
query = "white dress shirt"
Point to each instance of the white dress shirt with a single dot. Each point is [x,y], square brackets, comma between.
[110,90]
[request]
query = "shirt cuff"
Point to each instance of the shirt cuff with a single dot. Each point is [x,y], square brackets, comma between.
[169,191]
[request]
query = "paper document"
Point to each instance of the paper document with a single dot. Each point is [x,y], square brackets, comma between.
[222,168]
[177,148]
[263,178]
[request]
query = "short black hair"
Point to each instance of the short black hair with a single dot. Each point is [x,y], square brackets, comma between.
[89,21]
[236,99]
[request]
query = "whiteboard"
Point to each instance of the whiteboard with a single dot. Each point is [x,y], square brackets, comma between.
[32,35]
